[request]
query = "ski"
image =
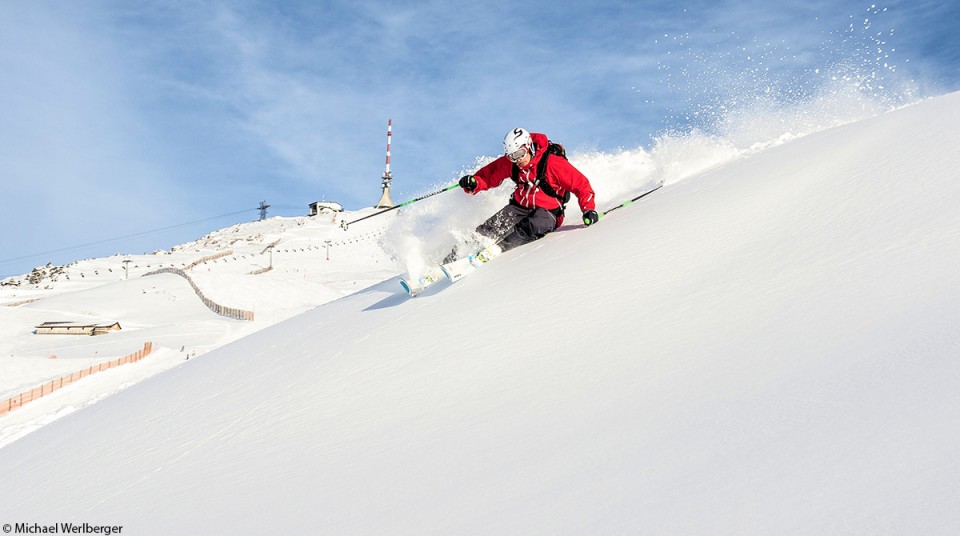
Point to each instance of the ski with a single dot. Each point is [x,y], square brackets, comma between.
[460,268]
[453,271]
[425,281]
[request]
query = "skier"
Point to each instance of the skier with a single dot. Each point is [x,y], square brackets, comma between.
[536,207]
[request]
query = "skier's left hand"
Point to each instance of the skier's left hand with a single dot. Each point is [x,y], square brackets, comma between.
[590,217]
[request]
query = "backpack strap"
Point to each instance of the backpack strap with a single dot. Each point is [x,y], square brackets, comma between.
[552,149]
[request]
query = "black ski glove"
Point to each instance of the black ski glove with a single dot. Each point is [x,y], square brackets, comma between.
[468,183]
[590,217]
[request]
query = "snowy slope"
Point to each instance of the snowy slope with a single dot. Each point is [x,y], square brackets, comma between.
[769,347]
[164,309]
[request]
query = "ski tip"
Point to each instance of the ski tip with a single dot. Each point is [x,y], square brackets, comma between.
[411,290]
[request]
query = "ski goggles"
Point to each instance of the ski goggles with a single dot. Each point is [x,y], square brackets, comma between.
[518,154]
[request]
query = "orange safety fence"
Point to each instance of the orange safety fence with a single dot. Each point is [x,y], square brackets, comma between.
[15,402]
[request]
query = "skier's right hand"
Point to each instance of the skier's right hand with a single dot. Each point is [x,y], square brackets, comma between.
[468,183]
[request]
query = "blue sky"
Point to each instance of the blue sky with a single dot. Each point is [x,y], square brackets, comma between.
[161,121]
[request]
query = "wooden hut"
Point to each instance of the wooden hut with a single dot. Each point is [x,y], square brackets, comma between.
[75,328]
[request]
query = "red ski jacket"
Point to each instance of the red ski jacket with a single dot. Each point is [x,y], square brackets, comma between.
[559,174]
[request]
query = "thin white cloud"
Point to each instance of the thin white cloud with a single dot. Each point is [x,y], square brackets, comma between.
[72,156]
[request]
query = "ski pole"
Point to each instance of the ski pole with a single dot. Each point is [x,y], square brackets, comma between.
[631,201]
[345,224]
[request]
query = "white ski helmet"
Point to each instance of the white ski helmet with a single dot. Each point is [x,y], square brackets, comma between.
[516,139]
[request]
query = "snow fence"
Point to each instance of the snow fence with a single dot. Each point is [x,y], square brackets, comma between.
[230,312]
[15,402]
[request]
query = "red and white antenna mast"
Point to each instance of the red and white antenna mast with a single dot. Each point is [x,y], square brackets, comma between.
[385,201]
[386,173]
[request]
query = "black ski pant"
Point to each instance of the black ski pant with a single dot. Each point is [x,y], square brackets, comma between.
[514,226]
